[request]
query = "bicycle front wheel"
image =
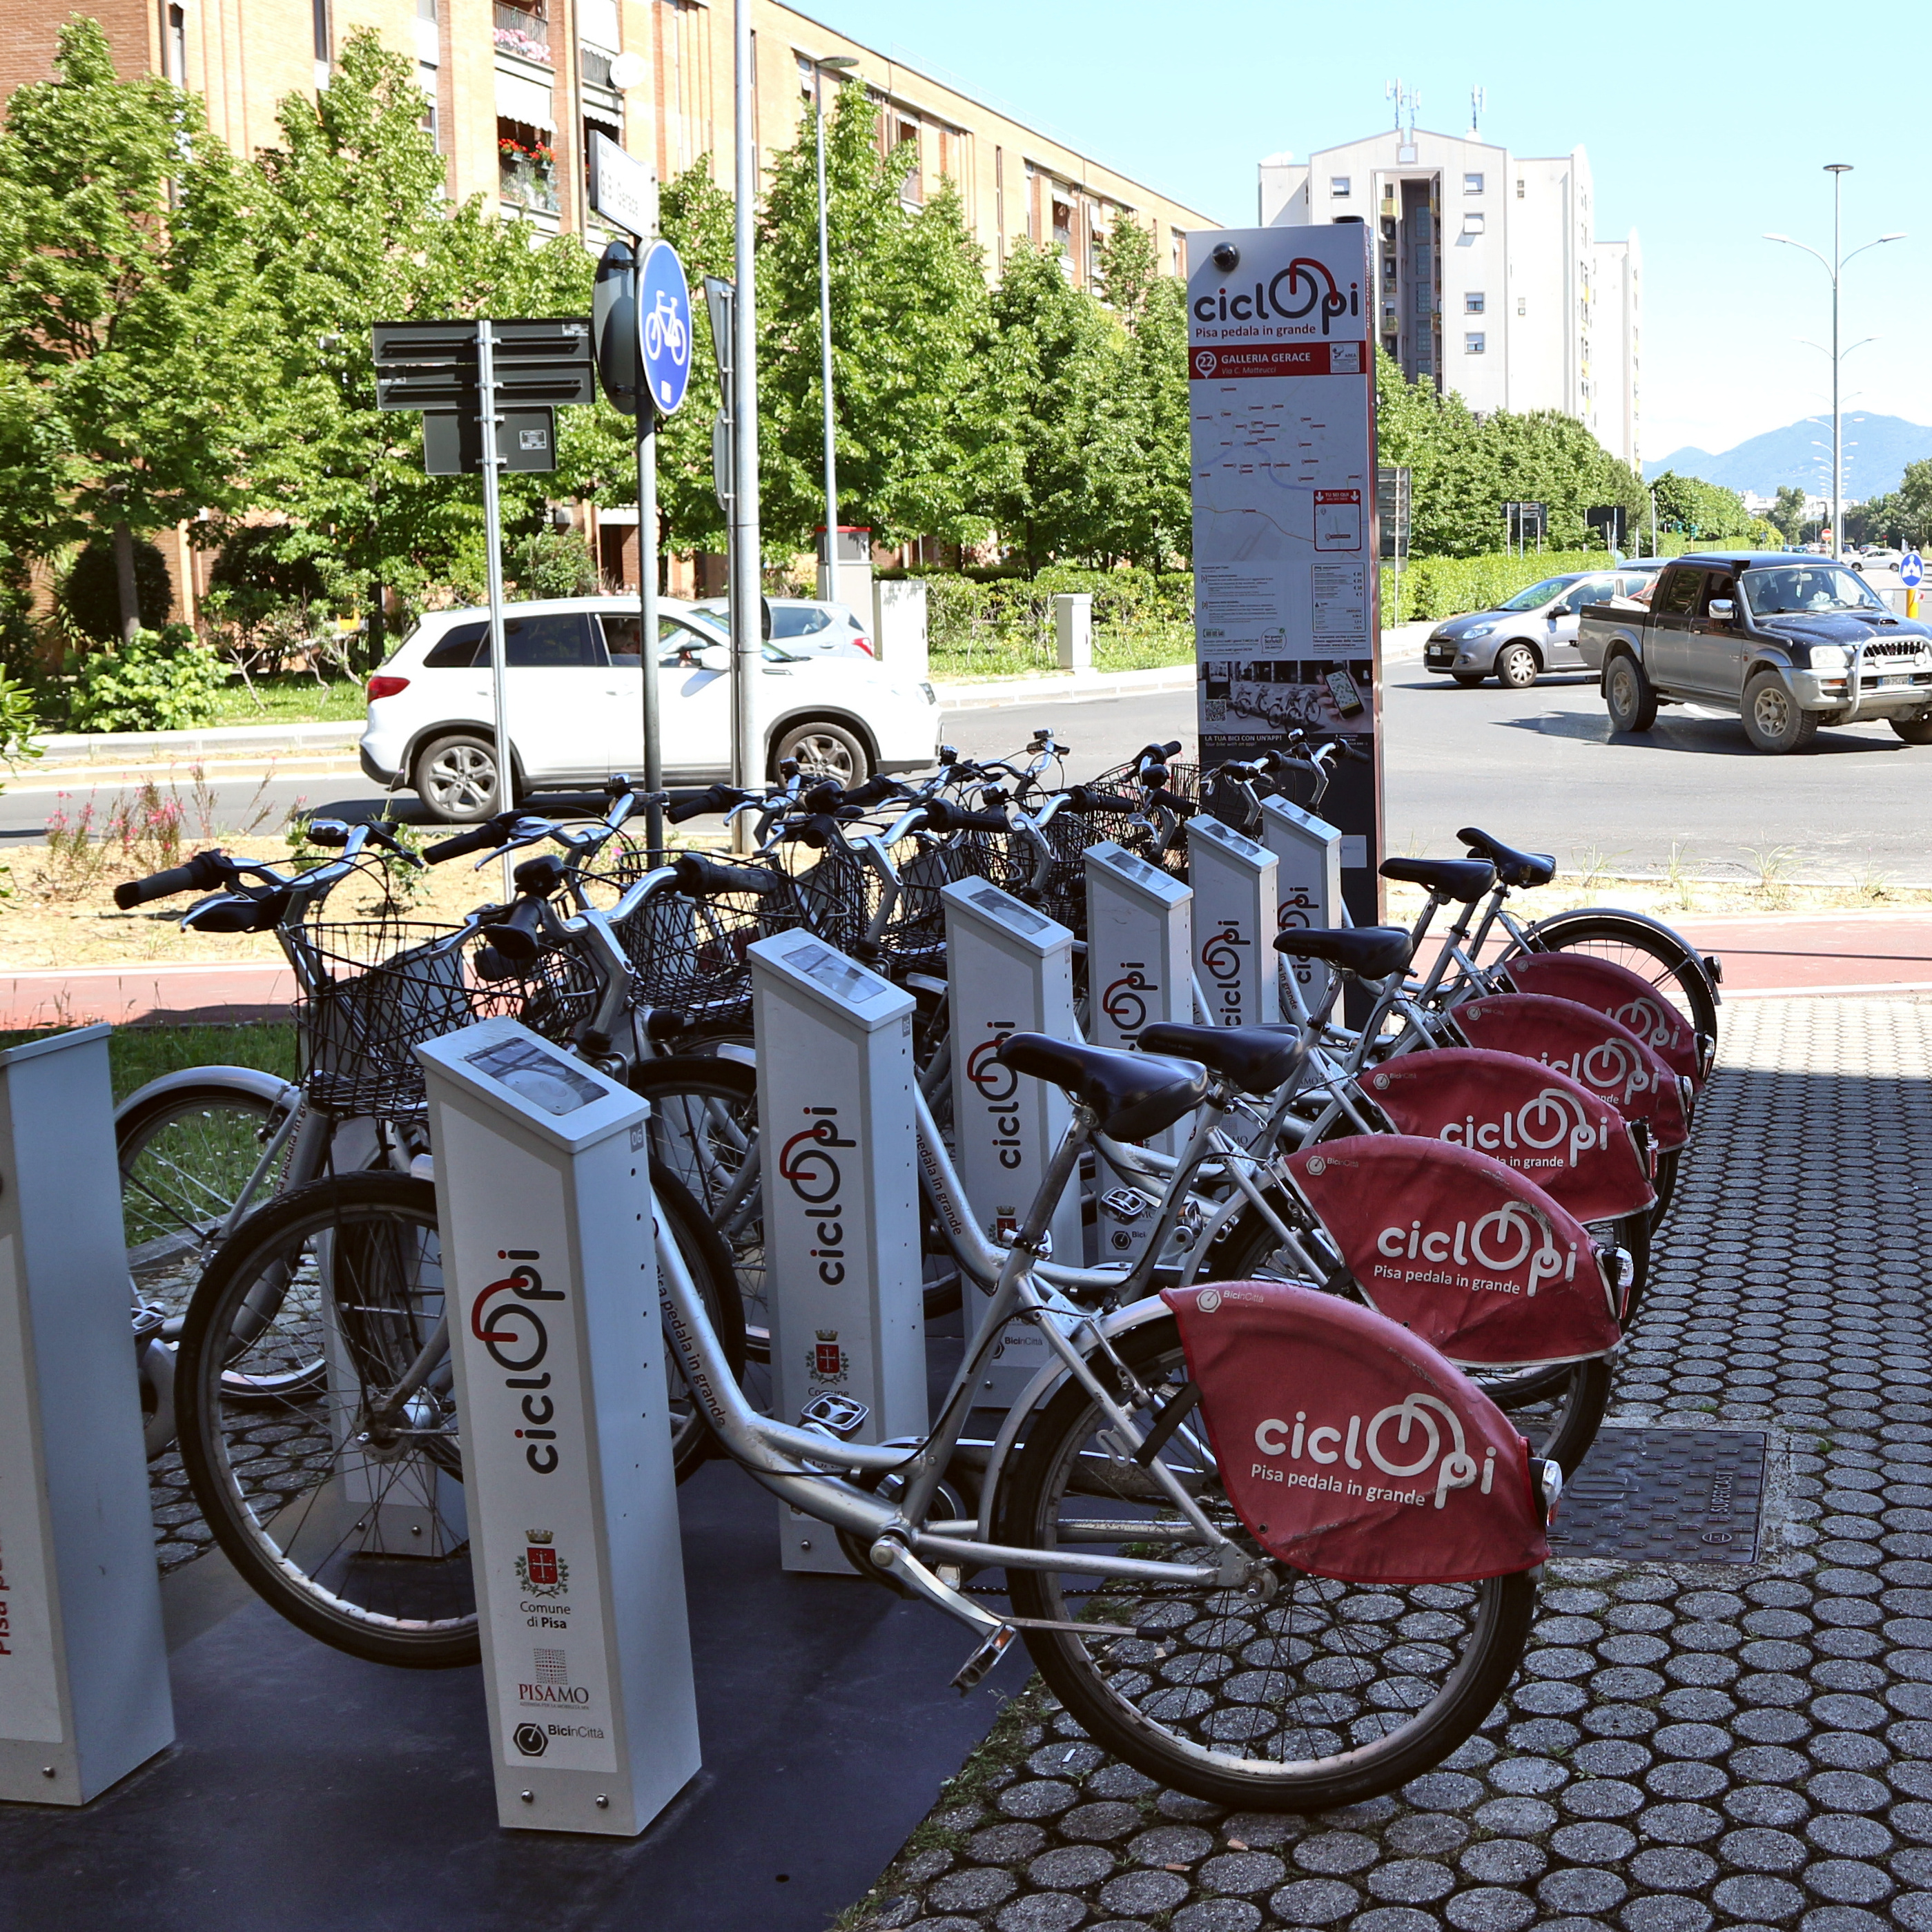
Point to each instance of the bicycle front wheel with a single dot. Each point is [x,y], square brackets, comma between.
[1327,1694]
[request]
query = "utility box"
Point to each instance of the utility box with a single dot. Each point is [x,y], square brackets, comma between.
[900,638]
[1308,887]
[840,1184]
[845,576]
[1010,969]
[549,1264]
[1073,631]
[1138,972]
[1234,924]
[83,1664]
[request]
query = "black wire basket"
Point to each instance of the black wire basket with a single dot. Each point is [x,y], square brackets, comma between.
[375,989]
[690,954]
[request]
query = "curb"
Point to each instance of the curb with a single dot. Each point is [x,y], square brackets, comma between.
[1060,687]
[128,750]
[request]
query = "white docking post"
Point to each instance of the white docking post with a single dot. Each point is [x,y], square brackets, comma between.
[1234,924]
[1308,887]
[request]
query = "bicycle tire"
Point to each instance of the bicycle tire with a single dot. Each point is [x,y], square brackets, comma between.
[1396,1678]
[1647,947]
[363,1214]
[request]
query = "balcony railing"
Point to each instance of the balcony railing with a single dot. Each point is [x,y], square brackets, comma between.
[596,68]
[525,183]
[517,31]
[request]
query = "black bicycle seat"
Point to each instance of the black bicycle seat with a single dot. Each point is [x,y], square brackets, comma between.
[1374,952]
[1134,1094]
[1464,879]
[1256,1060]
[1513,868]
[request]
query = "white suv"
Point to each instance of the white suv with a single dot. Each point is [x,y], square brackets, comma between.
[576,709]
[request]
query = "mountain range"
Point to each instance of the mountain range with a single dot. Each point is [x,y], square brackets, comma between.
[1877,448]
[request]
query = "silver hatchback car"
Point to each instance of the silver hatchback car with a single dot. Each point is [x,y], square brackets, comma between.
[1532,632]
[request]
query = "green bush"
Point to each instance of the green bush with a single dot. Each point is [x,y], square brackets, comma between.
[162,681]
[1445,587]
[90,593]
[1008,621]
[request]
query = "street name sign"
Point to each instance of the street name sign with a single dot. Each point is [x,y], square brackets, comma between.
[623,190]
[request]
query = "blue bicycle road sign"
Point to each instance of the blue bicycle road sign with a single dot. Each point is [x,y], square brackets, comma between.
[1911,569]
[663,326]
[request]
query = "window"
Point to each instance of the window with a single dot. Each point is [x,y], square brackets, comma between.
[177,47]
[1472,224]
[1677,592]
[1472,345]
[1523,305]
[426,80]
[562,639]
[1338,187]
[906,142]
[1472,184]
[1472,302]
[1519,188]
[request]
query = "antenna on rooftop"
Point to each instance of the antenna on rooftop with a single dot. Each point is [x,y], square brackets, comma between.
[1479,99]
[1407,100]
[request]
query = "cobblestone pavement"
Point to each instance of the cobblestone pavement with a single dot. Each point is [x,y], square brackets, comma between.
[1685,1748]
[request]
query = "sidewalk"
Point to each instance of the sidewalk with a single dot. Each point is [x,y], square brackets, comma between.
[1742,1744]
[1816,953]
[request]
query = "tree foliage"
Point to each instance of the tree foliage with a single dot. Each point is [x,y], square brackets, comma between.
[1902,516]
[1688,506]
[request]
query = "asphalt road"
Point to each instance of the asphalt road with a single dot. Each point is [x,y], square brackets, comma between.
[1538,767]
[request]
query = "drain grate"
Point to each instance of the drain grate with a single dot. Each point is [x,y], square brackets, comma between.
[1665,1496]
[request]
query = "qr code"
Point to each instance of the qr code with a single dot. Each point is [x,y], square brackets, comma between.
[1216,709]
[550,1666]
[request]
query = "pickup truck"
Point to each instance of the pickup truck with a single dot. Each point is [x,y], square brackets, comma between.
[1788,643]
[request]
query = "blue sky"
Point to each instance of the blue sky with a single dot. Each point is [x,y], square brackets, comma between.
[1705,126]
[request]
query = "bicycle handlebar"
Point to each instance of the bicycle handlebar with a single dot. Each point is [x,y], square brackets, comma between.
[699,876]
[1158,754]
[1084,799]
[484,838]
[203,873]
[699,805]
[943,816]
[1181,807]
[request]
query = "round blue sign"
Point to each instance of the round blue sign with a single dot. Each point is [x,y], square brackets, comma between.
[664,327]
[1911,569]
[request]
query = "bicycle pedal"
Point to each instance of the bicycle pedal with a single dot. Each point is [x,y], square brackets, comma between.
[975,1668]
[837,1415]
[1123,1203]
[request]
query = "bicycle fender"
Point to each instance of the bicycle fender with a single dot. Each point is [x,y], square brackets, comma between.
[1468,1255]
[250,1080]
[1605,987]
[1571,1142]
[1589,1046]
[1349,1447]
[1556,922]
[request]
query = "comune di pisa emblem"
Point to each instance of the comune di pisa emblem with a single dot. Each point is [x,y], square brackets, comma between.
[540,1571]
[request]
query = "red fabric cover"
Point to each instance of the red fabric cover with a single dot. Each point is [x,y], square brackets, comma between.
[1605,987]
[1347,1448]
[1571,1142]
[1602,1053]
[1468,1254]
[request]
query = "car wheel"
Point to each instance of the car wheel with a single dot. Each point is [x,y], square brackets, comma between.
[1773,720]
[1516,667]
[824,751]
[1913,730]
[1468,679]
[456,778]
[1626,691]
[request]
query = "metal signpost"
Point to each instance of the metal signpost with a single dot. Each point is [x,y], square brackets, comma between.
[1139,970]
[1010,969]
[83,1665]
[544,1200]
[488,392]
[1287,621]
[1234,924]
[841,1207]
[1308,888]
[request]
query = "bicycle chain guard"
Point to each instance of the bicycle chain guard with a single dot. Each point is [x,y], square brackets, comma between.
[1469,1255]
[1605,987]
[1348,1447]
[1571,1142]
[1601,1052]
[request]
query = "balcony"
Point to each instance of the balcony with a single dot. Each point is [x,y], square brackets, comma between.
[527,180]
[519,30]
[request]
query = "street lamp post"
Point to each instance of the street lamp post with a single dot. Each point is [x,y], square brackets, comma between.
[1835,268]
[828,581]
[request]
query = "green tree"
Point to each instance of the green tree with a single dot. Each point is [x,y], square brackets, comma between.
[1705,511]
[1154,507]
[128,322]
[1786,515]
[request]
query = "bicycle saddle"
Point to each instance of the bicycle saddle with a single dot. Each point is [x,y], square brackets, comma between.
[1256,1060]
[1513,868]
[1464,879]
[1374,952]
[1134,1094]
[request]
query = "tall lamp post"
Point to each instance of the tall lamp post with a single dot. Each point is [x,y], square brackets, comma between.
[1834,267]
[828,582]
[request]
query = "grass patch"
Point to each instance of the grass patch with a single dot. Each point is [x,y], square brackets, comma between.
[290,699]
[137,1054]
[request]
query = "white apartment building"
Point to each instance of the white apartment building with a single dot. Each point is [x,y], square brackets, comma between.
[1490,279]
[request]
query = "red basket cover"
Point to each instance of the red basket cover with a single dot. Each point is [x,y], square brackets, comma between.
[1602,1053]
[1466,1252]
[1571,1142]
[1605,987]
[1347,1447]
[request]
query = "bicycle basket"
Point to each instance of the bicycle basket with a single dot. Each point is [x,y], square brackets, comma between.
[689,955]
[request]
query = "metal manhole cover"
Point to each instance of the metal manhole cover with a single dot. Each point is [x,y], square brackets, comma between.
[1665,1496]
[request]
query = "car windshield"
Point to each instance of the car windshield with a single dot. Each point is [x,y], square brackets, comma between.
[1794,587]
[1536,596]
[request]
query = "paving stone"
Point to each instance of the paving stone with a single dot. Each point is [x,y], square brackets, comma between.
[1042,1912]
[1664,1915]
[1520,1817]
[1242,1874]
[1173,1845]
[1425,1832]
[1686,1778]
[1070,1868]
[1331,1852]
[1771,1901]
[1503,1862]
[1581,1888]
[923,1866]
[1120,1780]
[1394,1918]
[977,1889]
[1768,1804]
[1594,1844]
[1043,1798]
[1145,1892]
[1847,1835]
[1847,1881]
[1673,1868]
[1603,1798]
[1442,1791]
[1314,1901]
[1217,1915]
[1006,1844]
[1487,1908]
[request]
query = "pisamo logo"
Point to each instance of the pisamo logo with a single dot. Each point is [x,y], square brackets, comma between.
[1293,294]
[1385,1439]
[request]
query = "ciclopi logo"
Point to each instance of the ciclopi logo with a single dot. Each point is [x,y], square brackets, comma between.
[1290,295]
[809,1167]
[513,1332]
[1652,1023]
[1500,1241]
[1127,1001]
[1555,1125]
[1221,960]
[996,1083]
[1327,1444]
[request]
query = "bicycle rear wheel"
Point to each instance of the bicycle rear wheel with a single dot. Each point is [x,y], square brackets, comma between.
[1650,950]
[1328,1693]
